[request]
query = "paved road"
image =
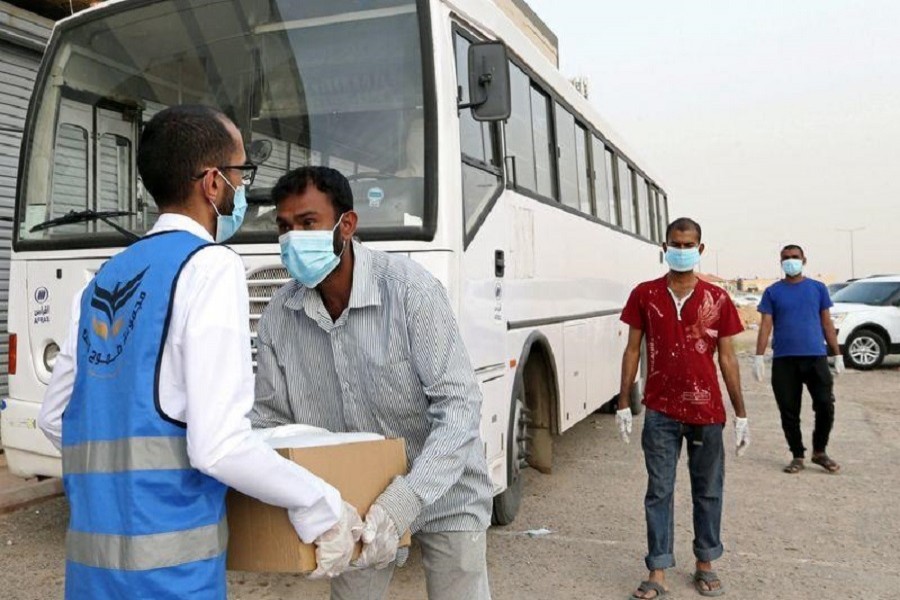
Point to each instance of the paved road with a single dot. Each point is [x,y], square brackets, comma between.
[807,536]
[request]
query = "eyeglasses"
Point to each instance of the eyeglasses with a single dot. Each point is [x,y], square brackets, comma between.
[248,172]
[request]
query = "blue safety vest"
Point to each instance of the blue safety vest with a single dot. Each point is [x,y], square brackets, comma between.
[144,523]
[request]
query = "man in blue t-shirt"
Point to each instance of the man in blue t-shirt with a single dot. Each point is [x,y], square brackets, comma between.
[797,308]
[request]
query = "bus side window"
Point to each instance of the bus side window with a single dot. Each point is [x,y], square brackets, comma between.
[643,207]
[612,181]
[654,211]
[602,183]
[567,164]
[544,148]
[481,175]
[626,196]
[663,213]
[519,135]
[582,146]
[635,201]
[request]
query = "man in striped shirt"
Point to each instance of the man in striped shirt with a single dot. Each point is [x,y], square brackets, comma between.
[362,340]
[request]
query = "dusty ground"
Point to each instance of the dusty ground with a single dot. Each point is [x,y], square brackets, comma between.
[811,535]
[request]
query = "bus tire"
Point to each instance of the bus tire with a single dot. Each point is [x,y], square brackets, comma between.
[507,503]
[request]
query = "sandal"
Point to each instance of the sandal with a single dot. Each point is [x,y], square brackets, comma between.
[708,578]
[824,461]
[650,586]
[795,466]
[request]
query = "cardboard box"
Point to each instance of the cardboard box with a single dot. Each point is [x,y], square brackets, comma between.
[260,536]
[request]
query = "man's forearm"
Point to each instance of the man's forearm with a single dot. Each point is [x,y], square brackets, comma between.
[630,362]
[831,337]
[762,339]
[731,373]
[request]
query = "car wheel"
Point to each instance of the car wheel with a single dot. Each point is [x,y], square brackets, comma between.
[864,349]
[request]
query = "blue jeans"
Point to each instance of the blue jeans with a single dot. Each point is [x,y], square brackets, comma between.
[661,440]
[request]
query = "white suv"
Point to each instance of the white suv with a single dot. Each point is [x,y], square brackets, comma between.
[866,314]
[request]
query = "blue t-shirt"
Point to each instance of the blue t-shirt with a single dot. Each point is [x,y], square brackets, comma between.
[796,310]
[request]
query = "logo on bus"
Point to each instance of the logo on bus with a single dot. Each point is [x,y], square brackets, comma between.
[110,322]
[375,196]
[41,295]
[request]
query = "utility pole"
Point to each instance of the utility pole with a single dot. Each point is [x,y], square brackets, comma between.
[851,231]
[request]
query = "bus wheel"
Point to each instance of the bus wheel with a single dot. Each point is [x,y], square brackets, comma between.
[506,504]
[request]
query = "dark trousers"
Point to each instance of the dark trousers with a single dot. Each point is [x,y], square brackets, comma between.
[789,375]
[662,440]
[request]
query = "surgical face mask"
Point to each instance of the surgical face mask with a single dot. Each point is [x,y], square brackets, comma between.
[227,225]
[792,266]
[309,255]
[682,260]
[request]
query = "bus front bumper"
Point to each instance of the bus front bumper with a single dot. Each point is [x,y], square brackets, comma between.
[28,452]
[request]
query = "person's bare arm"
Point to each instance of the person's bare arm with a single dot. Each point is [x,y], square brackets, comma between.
[630,361]
[765,330]
[731,373]
[830,333]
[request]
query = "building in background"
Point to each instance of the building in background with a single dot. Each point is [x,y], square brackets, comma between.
[531,24]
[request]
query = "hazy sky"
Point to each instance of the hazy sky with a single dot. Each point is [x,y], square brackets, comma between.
[768,121]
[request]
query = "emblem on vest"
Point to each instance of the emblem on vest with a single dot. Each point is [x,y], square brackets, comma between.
[110,324]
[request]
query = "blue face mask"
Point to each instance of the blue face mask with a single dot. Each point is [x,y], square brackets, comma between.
[682,260]
[792,267]
[309,255]
[227,225]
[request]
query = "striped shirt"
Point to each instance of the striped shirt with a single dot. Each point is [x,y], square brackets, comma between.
[393,363]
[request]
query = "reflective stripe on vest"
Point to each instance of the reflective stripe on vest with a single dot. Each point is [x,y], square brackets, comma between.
[144,552]
[128,454]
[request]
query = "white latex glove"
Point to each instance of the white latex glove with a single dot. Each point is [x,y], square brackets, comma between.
[334,548]
[839,365]
[741,435]
[624,421]
[759,368]
[380,540]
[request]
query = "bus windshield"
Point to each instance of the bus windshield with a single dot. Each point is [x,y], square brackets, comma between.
[312,82]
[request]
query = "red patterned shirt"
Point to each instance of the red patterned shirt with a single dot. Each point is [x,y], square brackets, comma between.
[682,381]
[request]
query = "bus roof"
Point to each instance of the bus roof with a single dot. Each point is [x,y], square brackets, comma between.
[497,23]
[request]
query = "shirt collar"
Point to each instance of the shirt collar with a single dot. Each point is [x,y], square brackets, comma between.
[365,290]
[176,222]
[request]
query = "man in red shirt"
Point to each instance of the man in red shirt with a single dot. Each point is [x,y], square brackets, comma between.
[685,321]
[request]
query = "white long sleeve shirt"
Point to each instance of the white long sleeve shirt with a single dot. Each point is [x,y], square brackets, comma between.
[206,381]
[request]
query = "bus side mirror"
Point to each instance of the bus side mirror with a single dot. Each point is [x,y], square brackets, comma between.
[488,82]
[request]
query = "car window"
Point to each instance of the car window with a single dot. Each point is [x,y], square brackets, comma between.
[874,293]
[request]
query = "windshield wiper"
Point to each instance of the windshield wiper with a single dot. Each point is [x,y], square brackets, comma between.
[83,216]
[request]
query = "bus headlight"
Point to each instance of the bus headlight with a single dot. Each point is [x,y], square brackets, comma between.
[51,351]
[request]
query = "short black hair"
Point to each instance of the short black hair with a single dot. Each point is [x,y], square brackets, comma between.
[175,146]
[330,182]
[794,247]
[684,224]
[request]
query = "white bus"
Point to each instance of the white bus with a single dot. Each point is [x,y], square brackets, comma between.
[537,220]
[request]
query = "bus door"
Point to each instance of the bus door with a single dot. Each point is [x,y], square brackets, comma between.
[483,270]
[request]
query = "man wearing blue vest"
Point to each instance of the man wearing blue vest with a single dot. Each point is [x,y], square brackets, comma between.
[149,398]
